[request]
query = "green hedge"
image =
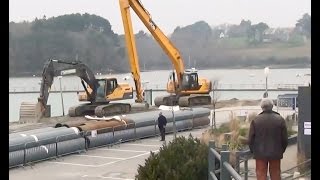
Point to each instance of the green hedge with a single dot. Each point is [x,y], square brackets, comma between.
[182,159]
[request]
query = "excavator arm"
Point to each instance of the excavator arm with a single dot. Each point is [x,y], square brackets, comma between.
[160,37]
[77,68]
[187,87]
[132,51]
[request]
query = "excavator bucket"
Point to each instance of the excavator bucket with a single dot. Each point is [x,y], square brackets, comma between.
[31,112]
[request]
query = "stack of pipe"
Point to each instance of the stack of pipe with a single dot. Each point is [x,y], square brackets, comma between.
[43,143]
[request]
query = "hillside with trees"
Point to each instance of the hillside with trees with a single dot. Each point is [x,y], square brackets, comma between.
[90,39]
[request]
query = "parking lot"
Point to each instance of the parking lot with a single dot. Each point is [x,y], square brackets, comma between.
[117,162]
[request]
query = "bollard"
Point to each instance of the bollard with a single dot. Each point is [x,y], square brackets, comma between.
[224,175]
[211,159]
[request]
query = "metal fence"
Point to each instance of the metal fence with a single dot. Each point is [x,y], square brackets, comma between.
[45,149]
[219,166]
[34,89]
[49,148]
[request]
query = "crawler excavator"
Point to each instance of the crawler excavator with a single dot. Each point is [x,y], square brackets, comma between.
[184,86]
[98,92]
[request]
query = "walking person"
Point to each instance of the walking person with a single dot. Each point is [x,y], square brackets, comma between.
[268,140]
[162,122]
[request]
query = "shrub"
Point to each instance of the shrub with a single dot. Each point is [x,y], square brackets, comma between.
[183,158]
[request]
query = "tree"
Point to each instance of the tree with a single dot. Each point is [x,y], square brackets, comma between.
[215,98]
[303,25]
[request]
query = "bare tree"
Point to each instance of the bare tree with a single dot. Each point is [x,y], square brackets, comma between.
[215,98]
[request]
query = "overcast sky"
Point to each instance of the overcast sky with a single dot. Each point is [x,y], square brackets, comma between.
[168,14]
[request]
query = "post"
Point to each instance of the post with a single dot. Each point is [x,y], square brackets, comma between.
[59,77]
[224,147]
[246,169]
[266,72]
[211,158]
[224,172]
[174,125]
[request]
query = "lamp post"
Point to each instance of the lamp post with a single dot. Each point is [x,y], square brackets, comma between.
[60,77]
[266,72]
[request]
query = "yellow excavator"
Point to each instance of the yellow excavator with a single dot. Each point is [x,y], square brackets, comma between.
[184,86]
[97,91]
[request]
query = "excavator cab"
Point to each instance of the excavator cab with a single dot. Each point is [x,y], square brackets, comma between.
[106,87]
[190,81]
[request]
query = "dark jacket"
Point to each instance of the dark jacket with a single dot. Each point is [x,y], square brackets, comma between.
[268,138]
[162,121]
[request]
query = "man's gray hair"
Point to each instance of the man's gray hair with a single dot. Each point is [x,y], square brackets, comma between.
[160,113]
[266,104]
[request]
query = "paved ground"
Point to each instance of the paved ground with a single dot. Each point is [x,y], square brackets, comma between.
[118,162]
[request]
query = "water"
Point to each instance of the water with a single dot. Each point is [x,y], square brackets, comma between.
[227,78]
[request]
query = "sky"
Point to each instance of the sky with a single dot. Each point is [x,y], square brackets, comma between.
[168,14]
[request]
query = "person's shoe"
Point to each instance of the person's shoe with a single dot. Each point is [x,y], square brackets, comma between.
[161,140]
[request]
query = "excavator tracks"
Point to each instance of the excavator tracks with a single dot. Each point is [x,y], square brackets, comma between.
[183,101]
[194,100]
[111,109]
[81,110]
[99,110]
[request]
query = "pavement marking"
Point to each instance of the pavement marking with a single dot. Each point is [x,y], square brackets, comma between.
[73,164]
[102,157]
[124,150]
[132,157]
[107,177]
[148,145]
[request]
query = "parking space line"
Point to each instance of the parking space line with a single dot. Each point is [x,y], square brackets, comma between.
[106,177]
[73,164]
[147,145]
[102,157]
[103,177]
[124,150]
[132,157]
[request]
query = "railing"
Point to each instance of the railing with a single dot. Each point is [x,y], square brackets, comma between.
[221,87]
[224,170]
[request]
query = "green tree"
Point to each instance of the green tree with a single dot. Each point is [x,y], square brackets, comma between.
[303,25]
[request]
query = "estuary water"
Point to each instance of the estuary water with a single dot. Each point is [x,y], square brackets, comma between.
[226,78]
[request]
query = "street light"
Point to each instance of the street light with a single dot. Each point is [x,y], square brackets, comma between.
[266,72]
[60,77]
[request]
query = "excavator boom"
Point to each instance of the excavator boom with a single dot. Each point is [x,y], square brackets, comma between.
[156,32]
[188,88]
[132,51]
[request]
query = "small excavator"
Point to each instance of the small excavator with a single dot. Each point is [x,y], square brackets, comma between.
[98,92]
[185,87]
